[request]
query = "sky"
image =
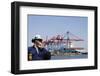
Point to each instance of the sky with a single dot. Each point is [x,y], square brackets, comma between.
[46,25]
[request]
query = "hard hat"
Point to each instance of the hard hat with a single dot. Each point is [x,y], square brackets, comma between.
[37,37]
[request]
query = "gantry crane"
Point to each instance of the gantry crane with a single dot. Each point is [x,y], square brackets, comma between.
[65,39]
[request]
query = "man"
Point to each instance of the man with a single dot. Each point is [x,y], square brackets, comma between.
[37,51]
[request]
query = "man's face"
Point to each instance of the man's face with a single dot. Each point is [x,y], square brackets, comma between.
[38,42]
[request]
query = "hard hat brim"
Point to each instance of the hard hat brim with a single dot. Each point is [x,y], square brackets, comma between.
[33,40]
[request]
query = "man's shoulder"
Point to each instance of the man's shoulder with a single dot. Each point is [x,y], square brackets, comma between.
[44,49]
[31,48]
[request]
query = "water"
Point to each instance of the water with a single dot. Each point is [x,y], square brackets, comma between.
[69,57]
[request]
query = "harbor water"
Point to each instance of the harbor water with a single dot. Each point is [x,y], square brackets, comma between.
[69,57]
